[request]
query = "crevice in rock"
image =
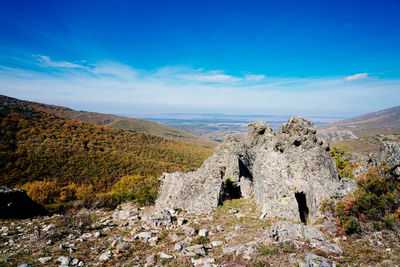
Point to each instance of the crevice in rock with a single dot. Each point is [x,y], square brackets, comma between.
[303,208]
[244,171]
[230,190]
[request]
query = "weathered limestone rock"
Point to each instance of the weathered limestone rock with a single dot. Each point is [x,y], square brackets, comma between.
[313,260]
[289,173]
[202,191]
[15,203]
[390,154]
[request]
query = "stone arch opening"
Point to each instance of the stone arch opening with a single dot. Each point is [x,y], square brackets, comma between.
[302,204]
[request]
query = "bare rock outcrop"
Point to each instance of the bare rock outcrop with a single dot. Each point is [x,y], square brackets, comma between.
[390,154]
[289,172]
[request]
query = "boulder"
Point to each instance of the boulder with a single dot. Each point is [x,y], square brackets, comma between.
[313,260]
[158,219]
[289,172]
[284,231]
[16,204]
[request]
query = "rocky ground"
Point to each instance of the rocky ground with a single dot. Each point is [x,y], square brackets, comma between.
[233,235]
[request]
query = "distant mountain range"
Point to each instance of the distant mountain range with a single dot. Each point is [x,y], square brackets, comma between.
[112,121]
[366,129]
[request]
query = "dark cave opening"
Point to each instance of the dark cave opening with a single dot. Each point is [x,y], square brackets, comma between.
[302,203]
[230,190]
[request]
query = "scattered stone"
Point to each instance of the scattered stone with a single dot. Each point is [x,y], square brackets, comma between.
[124,211]
[86,236]
[158,219]
[220,229]
[233,211]
[105,256]
[165,256]
[237,249]
[123,246]
[153,241]
[196,221]
[231,236]
[25,265]
[238,228]
[44,259]
[77,262]
[194,250]
[203,261]
[71,236]
[203,232]
[181,220]
[287,231]
[150,260]
[48,227]
[189,230]
[313,260]
[97,235]
[178,246]
[64,260]
[74,262]
[217,243]
[144,235]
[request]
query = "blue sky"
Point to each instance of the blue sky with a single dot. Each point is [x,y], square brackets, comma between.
[328,58]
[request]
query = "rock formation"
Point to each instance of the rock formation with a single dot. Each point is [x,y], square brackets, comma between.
[390,154]
[289,173]
[15,203]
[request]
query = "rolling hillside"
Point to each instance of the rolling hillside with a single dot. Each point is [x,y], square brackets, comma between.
[113,121]
[364,133]
[35,145]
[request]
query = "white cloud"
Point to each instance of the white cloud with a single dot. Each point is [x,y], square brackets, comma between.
[358,76]
[210,76]
[47,62]
[112,87]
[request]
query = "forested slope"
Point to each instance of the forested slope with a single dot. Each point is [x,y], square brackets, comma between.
[36,145]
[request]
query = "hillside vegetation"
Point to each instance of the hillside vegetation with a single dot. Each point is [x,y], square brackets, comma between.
[109,120]
[66,155]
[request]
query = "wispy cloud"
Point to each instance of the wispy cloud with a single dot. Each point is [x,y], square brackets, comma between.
[254,77]
[47,62]
[118,88]
[358,76]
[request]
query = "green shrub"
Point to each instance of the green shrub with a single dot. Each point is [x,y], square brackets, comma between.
[351,225]
[143,190]
[267,251]
[287,247]
[327,205]
[389,221]
[373,201]
[43,192]
[344,168]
